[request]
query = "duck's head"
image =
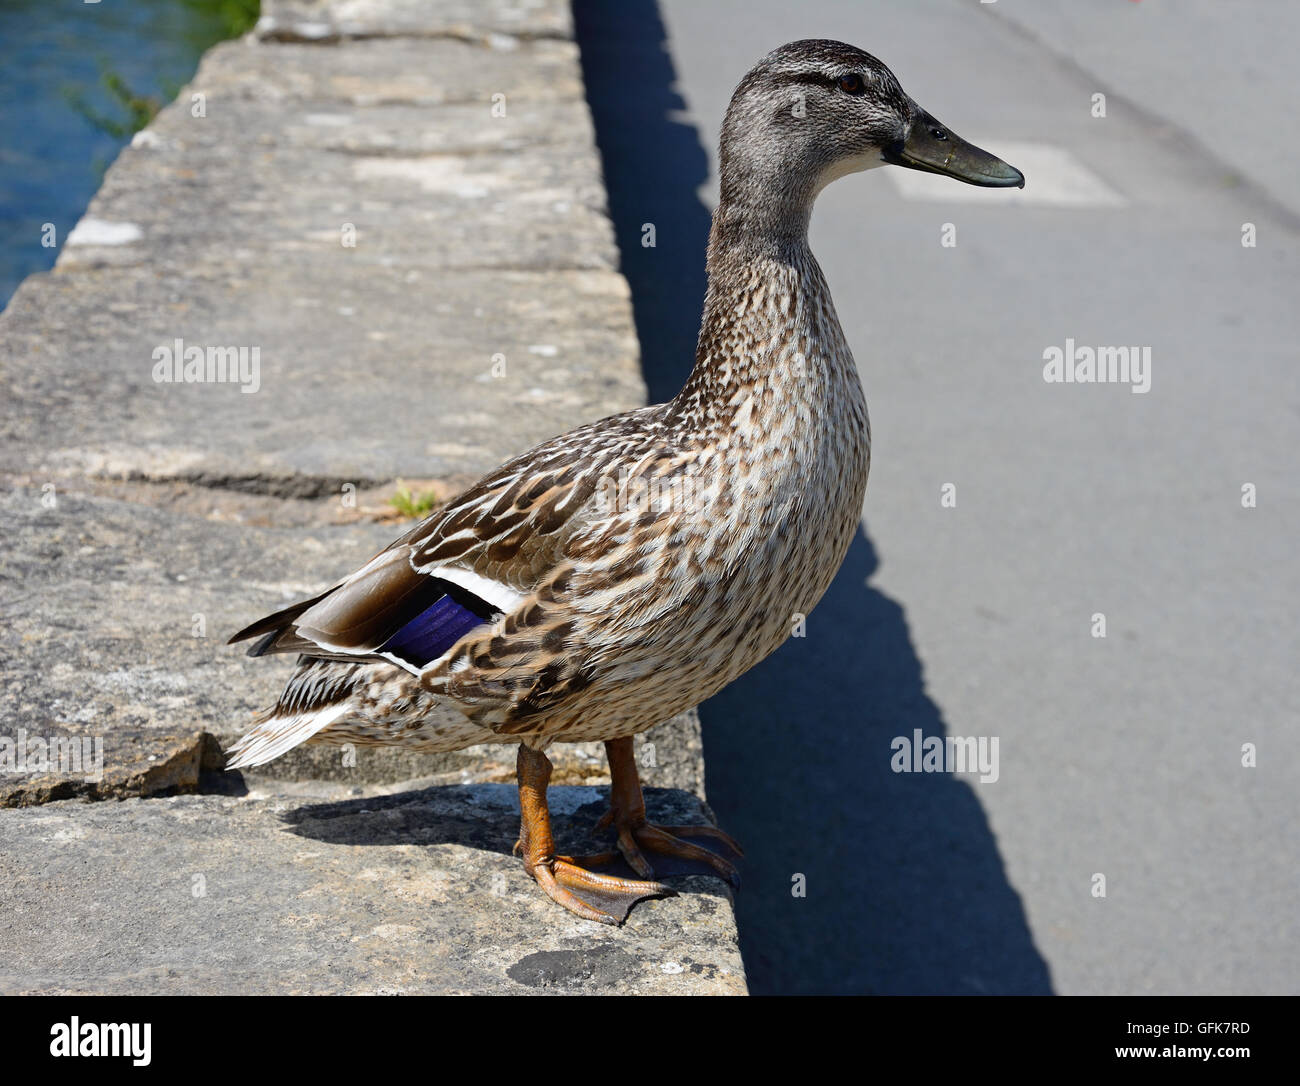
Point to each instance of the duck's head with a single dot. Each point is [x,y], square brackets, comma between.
[815,110]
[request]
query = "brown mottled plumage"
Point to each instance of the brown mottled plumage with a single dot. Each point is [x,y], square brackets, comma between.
[626,571]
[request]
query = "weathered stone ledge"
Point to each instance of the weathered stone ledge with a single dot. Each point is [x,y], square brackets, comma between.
[431,288]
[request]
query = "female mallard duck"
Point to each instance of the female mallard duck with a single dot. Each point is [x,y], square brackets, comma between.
[622,573]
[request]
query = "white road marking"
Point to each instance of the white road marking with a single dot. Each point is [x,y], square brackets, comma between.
[1053,178]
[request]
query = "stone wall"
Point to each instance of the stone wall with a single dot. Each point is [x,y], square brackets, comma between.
[395,209]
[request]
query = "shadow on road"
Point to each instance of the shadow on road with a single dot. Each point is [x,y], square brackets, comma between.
[906,890]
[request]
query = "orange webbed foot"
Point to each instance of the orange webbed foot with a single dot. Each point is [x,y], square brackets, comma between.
[711,852]
[606,899]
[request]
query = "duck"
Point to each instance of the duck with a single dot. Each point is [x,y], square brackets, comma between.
[624,572]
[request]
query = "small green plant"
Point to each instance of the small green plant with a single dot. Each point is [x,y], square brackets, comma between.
[139,109]
[225,19]
[235,16]
[413,506]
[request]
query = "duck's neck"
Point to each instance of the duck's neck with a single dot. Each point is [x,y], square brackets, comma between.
[760,212]
[769,336]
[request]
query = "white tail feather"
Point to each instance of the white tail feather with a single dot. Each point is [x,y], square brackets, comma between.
[278,734]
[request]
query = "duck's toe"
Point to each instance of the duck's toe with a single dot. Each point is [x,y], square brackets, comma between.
[606,899]
[712,852]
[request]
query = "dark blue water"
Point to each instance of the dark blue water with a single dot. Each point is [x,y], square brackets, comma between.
[52,52]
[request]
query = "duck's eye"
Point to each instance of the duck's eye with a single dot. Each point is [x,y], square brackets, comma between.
[939,133]
[852,83]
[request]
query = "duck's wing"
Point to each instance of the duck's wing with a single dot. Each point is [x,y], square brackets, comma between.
[478,559]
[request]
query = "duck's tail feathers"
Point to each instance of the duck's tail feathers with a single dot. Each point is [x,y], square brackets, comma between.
[318,694]
[277,735]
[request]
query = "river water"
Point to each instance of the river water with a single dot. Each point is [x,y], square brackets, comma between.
[55,59]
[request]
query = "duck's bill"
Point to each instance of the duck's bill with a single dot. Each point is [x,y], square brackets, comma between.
[931,147]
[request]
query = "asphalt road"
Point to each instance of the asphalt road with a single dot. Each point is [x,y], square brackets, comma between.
[1119,755]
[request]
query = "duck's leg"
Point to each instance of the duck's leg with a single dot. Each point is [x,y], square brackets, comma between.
[636,835]
[594,897]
